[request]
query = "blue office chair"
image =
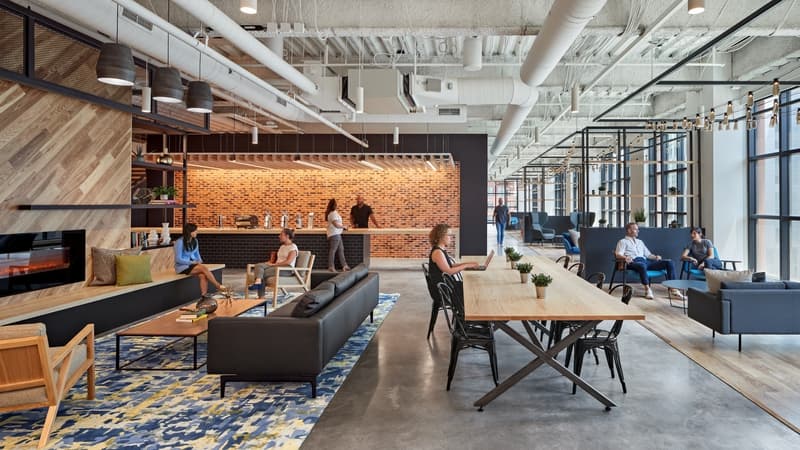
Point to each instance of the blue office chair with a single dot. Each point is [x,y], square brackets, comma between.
[569,247]
[697,274]
[620,266]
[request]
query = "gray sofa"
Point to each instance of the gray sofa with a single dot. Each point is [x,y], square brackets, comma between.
[748,308]
[296,341]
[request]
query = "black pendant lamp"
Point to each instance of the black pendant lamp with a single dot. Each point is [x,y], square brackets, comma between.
[167,86]
[198,96]
[115,64]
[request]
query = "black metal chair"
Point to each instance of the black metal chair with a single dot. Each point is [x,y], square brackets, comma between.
[597,278]
[577,268]
[436,304]
[565,260]
[607,340]
[464,334]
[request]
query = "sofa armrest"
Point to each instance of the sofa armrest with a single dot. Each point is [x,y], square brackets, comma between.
[266,346]
[709,310]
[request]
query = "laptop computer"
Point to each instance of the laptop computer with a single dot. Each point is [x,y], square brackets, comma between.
[485,264]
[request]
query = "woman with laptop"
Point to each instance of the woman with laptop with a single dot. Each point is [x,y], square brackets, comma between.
[440,262]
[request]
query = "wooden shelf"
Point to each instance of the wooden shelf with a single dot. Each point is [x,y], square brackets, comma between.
[44,207]
[154,166]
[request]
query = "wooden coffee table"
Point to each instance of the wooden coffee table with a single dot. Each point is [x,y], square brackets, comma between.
[166,326]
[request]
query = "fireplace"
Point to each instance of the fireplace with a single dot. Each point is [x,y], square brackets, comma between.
[32,261]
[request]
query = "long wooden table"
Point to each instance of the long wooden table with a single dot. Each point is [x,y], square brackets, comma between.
[166,326]
[496,295]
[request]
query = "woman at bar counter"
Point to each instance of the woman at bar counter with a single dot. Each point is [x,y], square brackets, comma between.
[189,262]
[440,262]
[334,234]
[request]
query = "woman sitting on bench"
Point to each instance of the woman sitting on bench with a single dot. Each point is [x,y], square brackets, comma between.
[189,262]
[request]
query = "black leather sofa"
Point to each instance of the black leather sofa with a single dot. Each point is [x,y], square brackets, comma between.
[296,341]
[748,308]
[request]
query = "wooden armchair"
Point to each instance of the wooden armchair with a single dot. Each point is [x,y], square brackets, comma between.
[298,276]
[32,374]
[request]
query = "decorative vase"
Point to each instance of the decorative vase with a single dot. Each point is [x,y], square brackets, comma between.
[152,238]
[541,291]
[208,304]
[523,277]
[165,238]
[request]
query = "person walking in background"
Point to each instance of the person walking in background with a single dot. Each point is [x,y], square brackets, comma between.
[334,233]
[189,262]
[700,252]
[638,258]
[286,256]
[361,214]
[501,218]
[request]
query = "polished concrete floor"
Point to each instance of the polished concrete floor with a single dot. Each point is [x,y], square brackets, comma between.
[395,396]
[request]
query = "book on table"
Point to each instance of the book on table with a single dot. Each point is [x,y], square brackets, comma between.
[188,318]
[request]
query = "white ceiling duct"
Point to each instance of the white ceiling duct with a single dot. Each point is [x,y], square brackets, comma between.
[564,23]
[184,53]
[242,39]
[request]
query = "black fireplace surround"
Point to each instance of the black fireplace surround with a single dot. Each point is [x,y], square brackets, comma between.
[32,261]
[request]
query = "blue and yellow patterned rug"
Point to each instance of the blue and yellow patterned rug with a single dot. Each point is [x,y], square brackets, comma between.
[182,409]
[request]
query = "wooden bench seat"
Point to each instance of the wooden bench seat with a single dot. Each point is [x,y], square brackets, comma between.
[106,306]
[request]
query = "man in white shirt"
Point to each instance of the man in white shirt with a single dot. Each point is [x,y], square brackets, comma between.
[639,259]
[286,256]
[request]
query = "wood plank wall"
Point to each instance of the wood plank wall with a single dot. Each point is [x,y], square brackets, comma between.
[56,149]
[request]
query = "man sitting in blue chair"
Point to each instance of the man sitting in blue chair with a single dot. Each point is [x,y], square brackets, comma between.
[639,259]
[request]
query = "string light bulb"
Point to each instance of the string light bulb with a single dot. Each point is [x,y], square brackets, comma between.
[749,99]
[797,119]
[698,121]
[712,115]
[776,87]
[685,123]
[729,110]
[735,124]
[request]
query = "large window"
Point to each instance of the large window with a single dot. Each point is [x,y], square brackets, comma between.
[774,194]
[507,190]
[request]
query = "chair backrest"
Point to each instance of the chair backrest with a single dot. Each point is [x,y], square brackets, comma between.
[716,253]
[302,259]
[565,260]
[453,301]
[24,366]
[577,268]
[433,290]
[600,278]
[627,293]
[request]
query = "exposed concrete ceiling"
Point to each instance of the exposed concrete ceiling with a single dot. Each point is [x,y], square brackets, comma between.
[427,38]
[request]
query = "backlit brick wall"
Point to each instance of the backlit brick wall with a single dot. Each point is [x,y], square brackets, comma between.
[400,199]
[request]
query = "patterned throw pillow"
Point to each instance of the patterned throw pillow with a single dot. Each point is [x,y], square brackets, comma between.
[133,269]
[715,277]
[104,268]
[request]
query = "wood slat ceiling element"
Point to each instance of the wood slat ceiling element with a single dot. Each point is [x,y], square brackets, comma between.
[315,161]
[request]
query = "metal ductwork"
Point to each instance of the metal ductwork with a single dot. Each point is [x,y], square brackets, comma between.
[566,20]
[137,31]
[227,27]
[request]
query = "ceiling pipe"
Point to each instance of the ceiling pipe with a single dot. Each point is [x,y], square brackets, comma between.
[227,27]
[565,21]
[217,69]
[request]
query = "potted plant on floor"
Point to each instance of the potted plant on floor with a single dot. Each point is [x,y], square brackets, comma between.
[508,251]
[514,257]
[541,281]
[640,217]
[524,271]
[164,192]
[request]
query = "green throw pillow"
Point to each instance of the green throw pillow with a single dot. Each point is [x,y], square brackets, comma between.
[133,269]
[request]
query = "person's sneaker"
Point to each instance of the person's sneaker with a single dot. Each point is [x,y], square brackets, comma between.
[254,287]
[677,294]
[648,294]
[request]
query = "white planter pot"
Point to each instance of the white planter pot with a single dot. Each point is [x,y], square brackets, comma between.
[164,197]
[523,277]
[541,291]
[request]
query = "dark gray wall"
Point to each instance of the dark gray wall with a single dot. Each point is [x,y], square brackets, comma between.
[597,245]
[470,150]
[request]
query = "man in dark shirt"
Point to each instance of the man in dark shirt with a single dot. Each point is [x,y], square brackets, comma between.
[501,217]
[361,214]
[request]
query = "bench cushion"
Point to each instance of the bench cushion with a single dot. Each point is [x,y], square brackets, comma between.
[133,269]
[314,300]
[104,266]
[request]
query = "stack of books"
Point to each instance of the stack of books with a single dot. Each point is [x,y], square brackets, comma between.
[189,317]
[158,201]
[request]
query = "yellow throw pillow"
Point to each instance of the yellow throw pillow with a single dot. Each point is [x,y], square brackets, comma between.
[133,269]
[714,278]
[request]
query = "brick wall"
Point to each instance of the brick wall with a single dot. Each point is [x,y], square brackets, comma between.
[408,198]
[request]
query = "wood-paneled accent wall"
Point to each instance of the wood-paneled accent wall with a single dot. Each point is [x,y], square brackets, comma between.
[60,150]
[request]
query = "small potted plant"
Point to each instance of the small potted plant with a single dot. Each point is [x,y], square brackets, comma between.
[508,251]
[524,271]
[673,190]
[164,192]
[139,153]
[601,188]
[673,224]
[541,281]
[514,257]
[639,217]
[602,222]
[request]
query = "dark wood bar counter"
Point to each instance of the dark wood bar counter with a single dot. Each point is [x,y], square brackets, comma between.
[237,247]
